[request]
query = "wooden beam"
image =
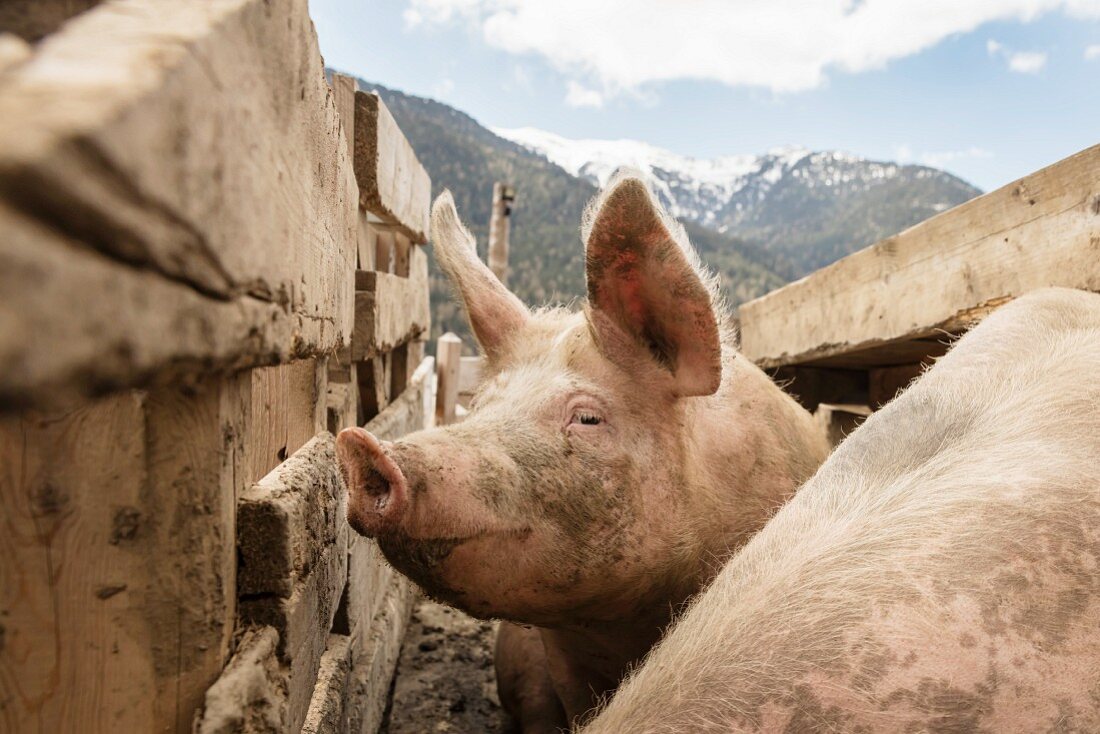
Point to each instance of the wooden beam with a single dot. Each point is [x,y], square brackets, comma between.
[76,323]
[288,409]
[811,386]
[448,355]
[344,88]
[197,149]
[390,310]
[392,183]
[118,558]
[840,420]
[375,657]
[287,519]
[499,225]
[250,695]
[303,620]
[328,707]
[899,300]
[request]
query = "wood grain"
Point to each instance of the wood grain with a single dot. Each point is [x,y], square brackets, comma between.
[196,141]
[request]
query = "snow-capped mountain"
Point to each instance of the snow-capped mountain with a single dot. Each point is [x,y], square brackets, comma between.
[792,200]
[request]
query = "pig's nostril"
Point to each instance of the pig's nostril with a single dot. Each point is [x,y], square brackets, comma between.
[377,486]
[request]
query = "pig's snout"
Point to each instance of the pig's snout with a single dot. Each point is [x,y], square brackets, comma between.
[377,489]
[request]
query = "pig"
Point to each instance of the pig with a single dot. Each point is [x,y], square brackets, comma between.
[940,572]
[612,458]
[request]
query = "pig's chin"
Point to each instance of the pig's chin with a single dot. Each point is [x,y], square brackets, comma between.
[450,570]
[422,560]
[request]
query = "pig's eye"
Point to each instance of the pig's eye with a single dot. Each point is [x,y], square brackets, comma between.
[587,419]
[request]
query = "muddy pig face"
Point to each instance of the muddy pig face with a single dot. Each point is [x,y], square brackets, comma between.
[563,491]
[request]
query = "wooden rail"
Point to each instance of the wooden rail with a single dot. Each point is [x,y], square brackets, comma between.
[861,328]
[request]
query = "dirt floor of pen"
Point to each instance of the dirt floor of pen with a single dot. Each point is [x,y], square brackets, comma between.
[445,679]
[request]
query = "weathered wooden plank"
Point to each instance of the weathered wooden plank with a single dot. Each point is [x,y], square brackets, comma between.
[328,708]
[196,141]
[373,386]
[405,413]
[384,249]
[893,302]
[287,520]
[401,249]
[117,558]
[375,658]
[250,695]
[303,621]
[73,322]
[288,409]
[811,386]
[390,310]
[196,461]
[392,183]
[344,88]
[343,405]
[367,241]
[293,560]
[448,353]
[838,421]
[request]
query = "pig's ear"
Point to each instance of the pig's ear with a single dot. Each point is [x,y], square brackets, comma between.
[494,312]
[645,292]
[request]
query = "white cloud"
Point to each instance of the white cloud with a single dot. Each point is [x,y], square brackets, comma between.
[1027,62]
[1021,62]
[947,157]
[1092,52]
[577,95]
[782,45]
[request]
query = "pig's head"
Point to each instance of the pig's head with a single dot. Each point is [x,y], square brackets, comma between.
[565,490]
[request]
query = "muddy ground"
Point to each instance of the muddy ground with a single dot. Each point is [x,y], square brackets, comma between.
[445,680]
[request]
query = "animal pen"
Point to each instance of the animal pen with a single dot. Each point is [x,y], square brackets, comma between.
[213,261]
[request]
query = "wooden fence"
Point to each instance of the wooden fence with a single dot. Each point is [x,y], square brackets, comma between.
[211,263]
[853,334]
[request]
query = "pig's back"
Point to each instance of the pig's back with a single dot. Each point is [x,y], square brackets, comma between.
[940,573]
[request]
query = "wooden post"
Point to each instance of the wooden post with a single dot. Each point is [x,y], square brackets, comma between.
[448,357]
[503,196]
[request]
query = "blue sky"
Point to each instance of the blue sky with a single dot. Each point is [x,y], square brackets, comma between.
[987,89]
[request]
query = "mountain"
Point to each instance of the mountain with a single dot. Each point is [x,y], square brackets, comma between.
[546,256]
[807,208]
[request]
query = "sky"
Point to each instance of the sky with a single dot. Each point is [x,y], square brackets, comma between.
[989,90]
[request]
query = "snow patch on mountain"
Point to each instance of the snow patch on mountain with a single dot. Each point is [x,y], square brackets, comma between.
[714,192]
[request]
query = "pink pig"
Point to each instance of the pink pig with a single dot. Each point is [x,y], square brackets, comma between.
[612,459]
